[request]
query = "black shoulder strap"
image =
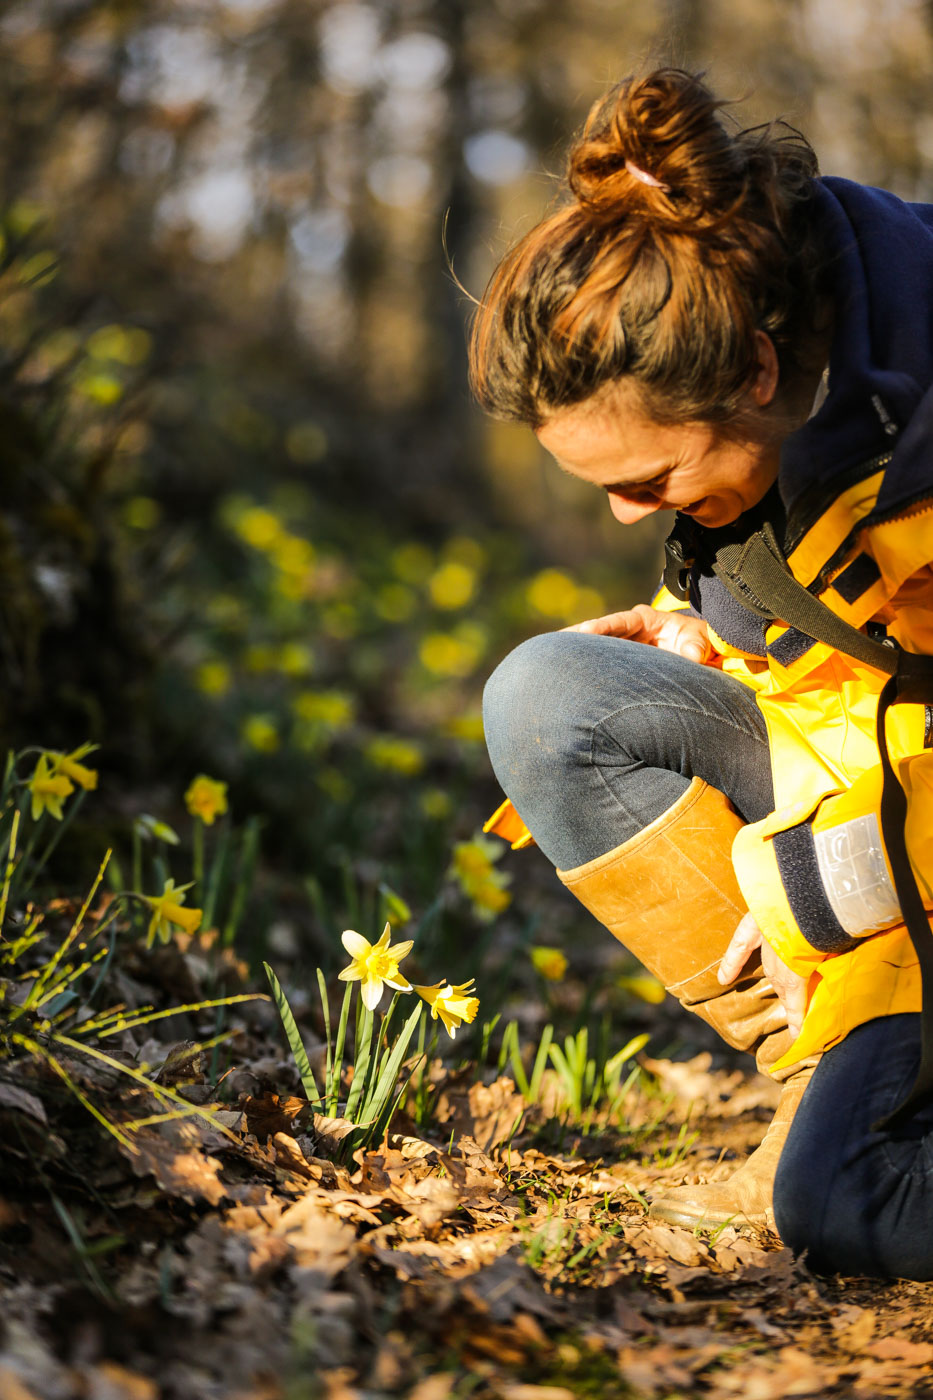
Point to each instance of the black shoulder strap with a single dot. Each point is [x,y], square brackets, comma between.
[756,575]
[754,572]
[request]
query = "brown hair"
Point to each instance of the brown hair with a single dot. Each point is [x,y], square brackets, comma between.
[663,284]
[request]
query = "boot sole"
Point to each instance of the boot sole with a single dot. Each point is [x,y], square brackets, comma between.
[677,1215]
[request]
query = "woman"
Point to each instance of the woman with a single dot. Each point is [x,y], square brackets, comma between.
[708,328]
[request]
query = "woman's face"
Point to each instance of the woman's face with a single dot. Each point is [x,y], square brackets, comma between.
[644,466]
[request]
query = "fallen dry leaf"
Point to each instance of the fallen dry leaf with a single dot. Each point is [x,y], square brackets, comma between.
[173,1154]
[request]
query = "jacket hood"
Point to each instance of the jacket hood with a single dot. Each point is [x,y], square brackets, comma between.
[880,276]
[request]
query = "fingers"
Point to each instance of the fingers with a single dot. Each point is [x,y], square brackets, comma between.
[685,635]
[789,986]
[618,624]
[745,940]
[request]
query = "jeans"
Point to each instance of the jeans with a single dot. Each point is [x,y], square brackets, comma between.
[860,1202]
[593,738]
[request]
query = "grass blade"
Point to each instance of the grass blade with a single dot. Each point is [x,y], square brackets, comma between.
[361,1058]
[534,1087]
[293,1036]
[339,1044]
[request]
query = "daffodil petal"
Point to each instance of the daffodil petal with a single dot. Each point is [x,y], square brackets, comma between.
[401,950]
[399,984]
[356,945]
[371,992]
[349,974]
[384,937]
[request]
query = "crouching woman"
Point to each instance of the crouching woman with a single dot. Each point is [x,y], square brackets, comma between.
[706,327]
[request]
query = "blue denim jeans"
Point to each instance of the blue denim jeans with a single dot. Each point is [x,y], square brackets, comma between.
[857,1201]
[593,738]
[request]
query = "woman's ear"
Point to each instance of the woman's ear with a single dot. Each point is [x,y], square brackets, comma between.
[765,383]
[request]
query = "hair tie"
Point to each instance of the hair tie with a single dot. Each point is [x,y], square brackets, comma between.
[645,178]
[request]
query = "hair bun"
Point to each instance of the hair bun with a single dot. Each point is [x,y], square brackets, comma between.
[659,141]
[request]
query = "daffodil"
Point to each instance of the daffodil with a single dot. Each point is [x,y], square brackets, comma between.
[70,764]
[474,870]
[375,965]
[206,799]
[48,788]
[167,912]
[550,962]
[453,1004]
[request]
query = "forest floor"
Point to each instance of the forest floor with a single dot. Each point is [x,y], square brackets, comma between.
[504,1252]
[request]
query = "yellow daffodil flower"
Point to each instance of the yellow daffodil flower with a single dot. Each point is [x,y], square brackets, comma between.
[643,986]
[453,1005]
[474,870]
[374,965]
[70,764]
[167,911]
[48,788]
[206,799]
[550,962]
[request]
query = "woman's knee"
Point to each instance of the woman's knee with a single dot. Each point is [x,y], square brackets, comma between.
[524,704]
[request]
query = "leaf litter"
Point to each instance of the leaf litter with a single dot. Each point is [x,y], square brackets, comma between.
[239,1256]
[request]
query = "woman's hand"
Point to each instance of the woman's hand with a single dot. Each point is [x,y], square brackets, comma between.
[790,987]
[678,632]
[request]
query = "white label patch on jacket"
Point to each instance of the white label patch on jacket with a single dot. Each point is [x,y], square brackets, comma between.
[855,876]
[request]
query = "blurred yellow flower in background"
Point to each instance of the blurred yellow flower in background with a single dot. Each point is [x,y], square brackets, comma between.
[553,593]
[124,345]
[167,913]
[332,709]
[643,986]
[467,727]
[435,803]
[374,965]
[395,755]
[455,653]
[213,678]
[550,962]
[452,585]
[260,733]
[490,898]
[453,1004]
[259,528]
[49,789]
[295,659]
[474,870]
[413,562]
[206,799]
[395,602]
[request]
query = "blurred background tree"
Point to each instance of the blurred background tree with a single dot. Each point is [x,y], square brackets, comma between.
[252,522]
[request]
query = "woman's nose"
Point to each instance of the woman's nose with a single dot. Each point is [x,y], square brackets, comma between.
[629,510]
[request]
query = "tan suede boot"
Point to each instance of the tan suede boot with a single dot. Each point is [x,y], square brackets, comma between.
[745,1199]
[671,896]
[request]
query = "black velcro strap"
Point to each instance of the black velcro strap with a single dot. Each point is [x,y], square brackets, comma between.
[857,577]
[790,647]
[803,885]
[759,574]
[912,684]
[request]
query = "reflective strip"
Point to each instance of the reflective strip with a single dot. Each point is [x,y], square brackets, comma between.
[855,875]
